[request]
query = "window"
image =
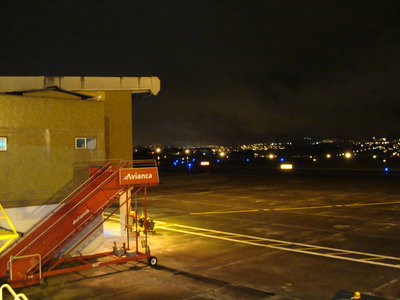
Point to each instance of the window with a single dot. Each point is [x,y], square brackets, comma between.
[90,143]
[85,143]
[3,144]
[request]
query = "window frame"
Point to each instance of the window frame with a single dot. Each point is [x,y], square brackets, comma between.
[85,143]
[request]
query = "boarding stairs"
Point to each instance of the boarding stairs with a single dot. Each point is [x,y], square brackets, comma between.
[21,264]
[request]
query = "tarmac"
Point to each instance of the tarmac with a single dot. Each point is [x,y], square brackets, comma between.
[346,211]
[137,280]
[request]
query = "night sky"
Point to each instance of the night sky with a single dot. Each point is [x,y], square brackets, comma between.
[231,71]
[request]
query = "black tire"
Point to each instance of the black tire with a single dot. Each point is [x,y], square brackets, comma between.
[152,260]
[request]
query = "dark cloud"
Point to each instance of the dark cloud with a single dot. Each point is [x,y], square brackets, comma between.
[231,71]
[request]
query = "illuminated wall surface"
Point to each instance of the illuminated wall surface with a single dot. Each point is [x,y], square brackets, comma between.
[118,124]
[41,163]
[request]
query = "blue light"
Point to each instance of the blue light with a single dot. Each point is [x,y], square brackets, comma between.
[193,159]
[218,161]
[282,159]
[386,169]
[189,165]
[175,163]
[247,159]
[182,162]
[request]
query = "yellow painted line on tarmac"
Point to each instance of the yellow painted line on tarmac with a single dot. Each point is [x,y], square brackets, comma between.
[304,207]
[337,253]
[373,203]
[257,210]
[293,208]
[225,212]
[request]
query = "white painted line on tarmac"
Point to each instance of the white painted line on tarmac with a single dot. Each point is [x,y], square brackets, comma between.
[115,218]
[279,244]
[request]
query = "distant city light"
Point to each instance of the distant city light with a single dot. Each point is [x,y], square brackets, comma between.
[379,149]
[204,163]
[386,169]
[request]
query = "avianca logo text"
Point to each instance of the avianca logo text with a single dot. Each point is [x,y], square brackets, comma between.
[80,217]
[138,176]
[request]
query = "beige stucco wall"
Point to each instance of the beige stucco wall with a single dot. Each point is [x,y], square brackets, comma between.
[40,165]
[118,124]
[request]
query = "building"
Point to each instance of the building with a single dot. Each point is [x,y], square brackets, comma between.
[52,127]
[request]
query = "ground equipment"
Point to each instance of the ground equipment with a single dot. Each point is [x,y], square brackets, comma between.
[32,258]
[141,223]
